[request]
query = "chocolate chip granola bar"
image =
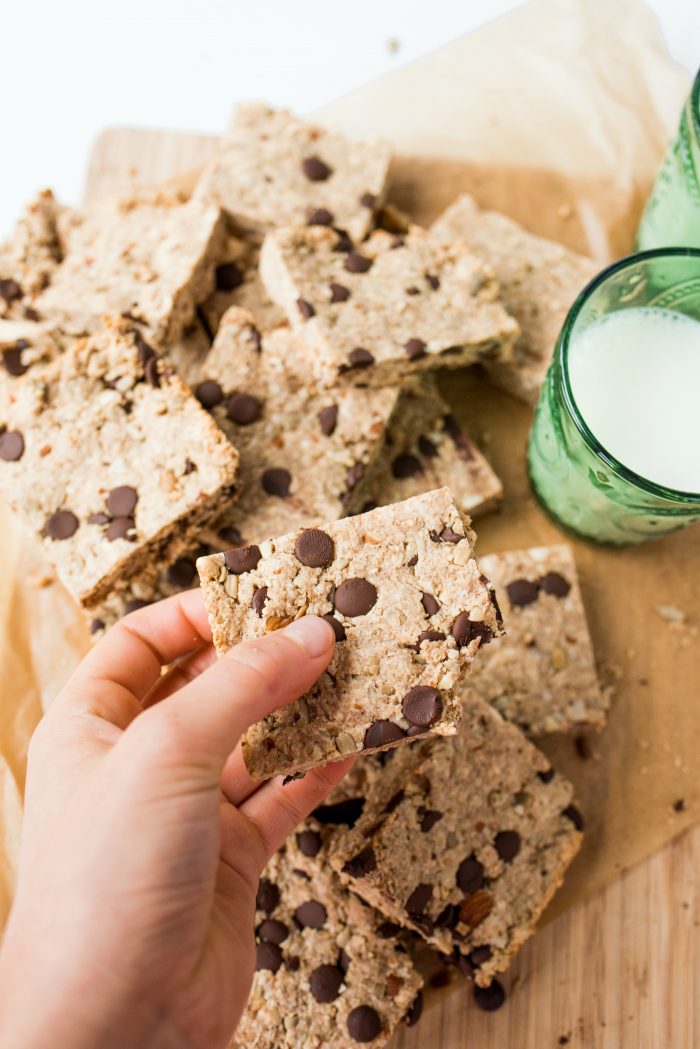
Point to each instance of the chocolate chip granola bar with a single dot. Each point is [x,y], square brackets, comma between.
[425,448]
[325,978]
[395,305]
[273,170]
[464,841]
[542,674]
[110,461]
[152,261]
[539,280]
[30,256]
[304,452]
[409,608]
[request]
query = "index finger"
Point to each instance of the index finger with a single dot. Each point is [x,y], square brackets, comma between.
[132,653]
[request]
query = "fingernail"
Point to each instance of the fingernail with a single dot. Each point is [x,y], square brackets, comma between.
[312,633]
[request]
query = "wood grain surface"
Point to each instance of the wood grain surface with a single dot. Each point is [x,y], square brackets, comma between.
[619,969]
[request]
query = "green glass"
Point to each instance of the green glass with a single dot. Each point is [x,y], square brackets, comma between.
[576,479]
[672,214]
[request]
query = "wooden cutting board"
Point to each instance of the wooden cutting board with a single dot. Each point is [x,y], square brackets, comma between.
[621,968]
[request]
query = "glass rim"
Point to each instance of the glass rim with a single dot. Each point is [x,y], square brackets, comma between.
[695,103]
[562,356]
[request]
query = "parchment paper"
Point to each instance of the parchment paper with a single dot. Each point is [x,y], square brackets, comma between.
[558,115]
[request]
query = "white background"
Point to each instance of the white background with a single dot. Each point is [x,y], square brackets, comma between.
[70,67]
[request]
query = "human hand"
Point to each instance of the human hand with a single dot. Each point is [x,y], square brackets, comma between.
[144,836]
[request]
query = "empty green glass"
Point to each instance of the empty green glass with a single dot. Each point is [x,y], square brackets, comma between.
[672,214]
[576,479]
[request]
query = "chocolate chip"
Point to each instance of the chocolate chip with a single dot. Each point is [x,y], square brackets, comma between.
[229,276]
[311,915]
[309,842]
[328,418]
[433,281]
[268,896]
[429,818]
[61,525]
[121,501]
[470,875]
[229,534]
[338,628]
[553,583]
[10,290]
[12,361]
[96,625]
[405,466]
[343,241]
[121,528]
[387,930]
[355,597]
[547,775]
[357,263]
[325,983]
[412,290]
[135,605]
[415,1010]
[345,813]
[151,372]
[244,559]
[273,931]
[419,899]
[11,446]
[257,602]
[429,635]
[190,467]
[447,535]
[430,605]
[268,956]
[464,630]
[380,733]
[394,801]
[368,200]
[426,448]
[363,1023]
[314,548]
[422,706]
[243,408]
[354,474]
[678,805]
[320,217]
[360,357]
[448,918]
[412,561]
[182,572]
[339,293]
[305,309]
[209,393]
[362,864]
[293,963]
[522,592]
[415,348]
[490,998]
[573,814]
[276,481]
[480,955]
[507,845]
[315,169]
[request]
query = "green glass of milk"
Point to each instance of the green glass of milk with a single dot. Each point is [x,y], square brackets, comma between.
[614,450]
[672,213]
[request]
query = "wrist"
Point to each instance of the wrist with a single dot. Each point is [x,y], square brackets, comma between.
[41,1011]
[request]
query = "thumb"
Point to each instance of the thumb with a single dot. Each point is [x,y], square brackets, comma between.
[200,725]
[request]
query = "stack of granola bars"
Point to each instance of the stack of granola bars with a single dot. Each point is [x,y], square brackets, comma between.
[252,370]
